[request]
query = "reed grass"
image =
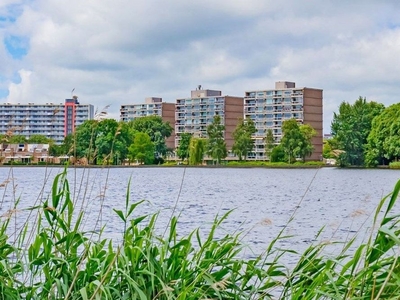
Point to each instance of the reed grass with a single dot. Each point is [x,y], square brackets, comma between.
[55,258]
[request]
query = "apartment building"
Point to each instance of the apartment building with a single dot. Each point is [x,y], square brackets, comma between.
[269,108]
[153,106]
[55,121]
[194,114]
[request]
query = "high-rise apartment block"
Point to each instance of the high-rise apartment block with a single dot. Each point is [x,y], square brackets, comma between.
[269,108]
[153,106]
[194,114]
[55,121]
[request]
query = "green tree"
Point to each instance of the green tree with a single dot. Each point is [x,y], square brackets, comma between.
[104,141]
[292,139]
[216,146]
[142,149]
[39,139]
[156,129]
[351,127]
[84,141]
[242,136]
[384,139]
[184,144]
[306,146]
[196,150]
[297,140]
[269,143]
[17,139]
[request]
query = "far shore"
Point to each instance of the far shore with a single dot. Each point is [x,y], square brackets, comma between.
[236,166]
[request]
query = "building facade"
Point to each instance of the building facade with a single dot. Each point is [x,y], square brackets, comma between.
[54,121]
[194,114]
[269,108]
[153,106]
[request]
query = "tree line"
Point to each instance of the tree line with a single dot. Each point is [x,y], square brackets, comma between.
[144,140]
[295,144]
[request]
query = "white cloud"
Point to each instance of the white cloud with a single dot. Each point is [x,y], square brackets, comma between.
[21,92]
[119,52]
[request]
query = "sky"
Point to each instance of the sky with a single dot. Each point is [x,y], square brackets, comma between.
[115,52]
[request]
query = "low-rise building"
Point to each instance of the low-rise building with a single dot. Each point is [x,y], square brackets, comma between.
[28,153]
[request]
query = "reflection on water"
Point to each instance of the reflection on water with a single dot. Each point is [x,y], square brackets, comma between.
[263,200]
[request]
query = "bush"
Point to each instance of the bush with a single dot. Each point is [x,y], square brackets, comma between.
[394,165]
[278,154]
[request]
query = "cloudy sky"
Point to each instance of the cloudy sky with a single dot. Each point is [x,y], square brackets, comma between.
[121,51]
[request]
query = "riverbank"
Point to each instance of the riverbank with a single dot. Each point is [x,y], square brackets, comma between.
[180,165]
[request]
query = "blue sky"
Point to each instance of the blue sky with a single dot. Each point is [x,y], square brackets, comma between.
[121,51]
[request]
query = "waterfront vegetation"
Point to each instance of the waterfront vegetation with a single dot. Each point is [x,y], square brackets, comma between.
[53,257]
[364,134]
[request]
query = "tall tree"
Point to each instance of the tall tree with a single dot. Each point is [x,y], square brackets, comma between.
[351,127]
[84,141]
[242,136]
[196,150]
[269,143]
[292,139]
[216,146]
[306,147]
[142,148]
[297,140]
[184,143]
[156,129]
[384,139]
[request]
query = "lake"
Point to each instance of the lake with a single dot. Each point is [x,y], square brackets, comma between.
[263,200]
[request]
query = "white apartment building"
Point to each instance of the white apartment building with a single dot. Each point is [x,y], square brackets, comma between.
[54,121]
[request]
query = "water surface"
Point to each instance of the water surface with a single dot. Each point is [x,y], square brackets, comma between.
[263,200]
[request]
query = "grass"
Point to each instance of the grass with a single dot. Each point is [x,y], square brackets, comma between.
[55,258]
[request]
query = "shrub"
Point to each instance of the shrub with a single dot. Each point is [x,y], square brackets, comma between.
[394,165]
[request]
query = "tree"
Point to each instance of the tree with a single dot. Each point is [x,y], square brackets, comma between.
[297,140]
[39,139]
[384,139]
[291,140]
[17,139]
[142,148]
[306,146]
[216,146]
[196,151]
[104,141]
[351,127]
[242,136]
[84,140]
[184,143]
[156,129]
[269,143]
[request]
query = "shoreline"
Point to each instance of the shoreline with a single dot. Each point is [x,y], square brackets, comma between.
[294,166]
